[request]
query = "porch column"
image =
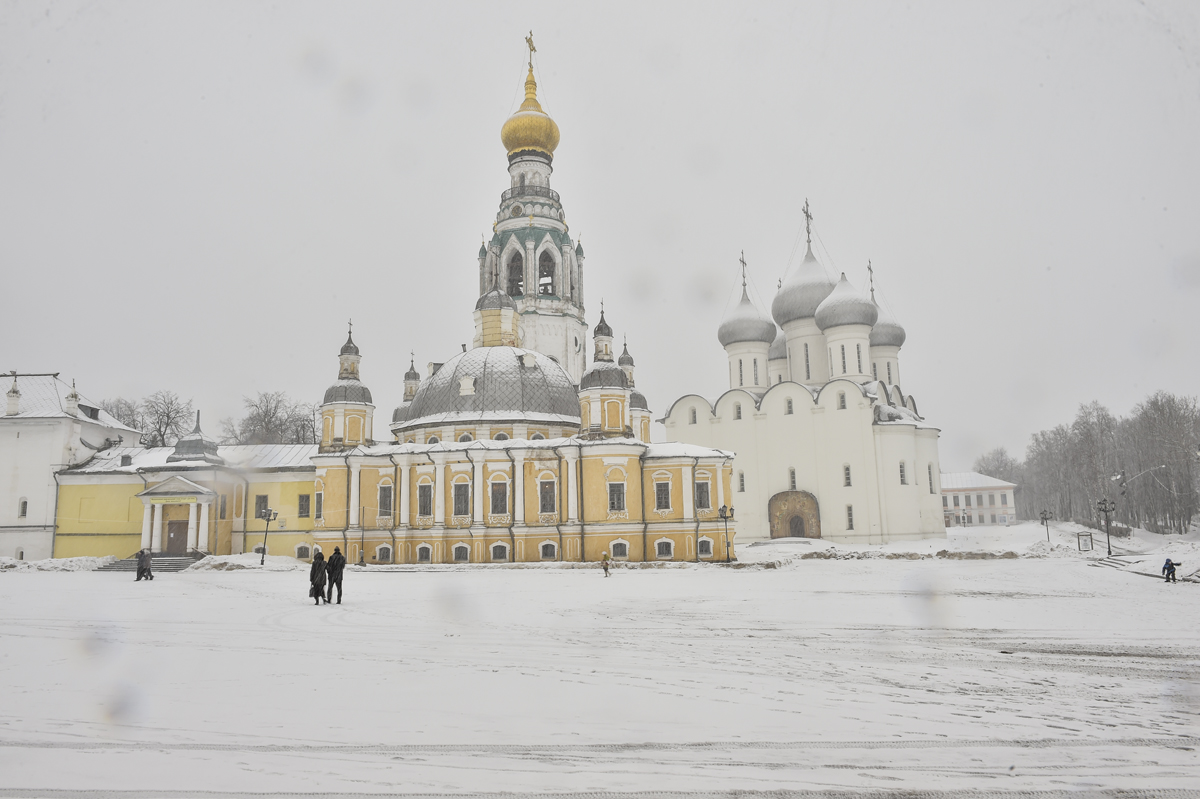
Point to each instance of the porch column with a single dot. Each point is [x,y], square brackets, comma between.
[147,515]
[202,543]
[156,538]
[518,483]
[191,539]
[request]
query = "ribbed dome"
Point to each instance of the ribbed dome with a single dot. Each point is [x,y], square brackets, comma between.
[845,306]
[802,292]
[778,348]
[495,299]
[604,374]
[887,332]
[498,385]
[530,128]
[745,323]
[347,390]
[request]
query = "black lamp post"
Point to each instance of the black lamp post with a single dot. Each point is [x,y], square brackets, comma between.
[268,516]
[726,514]
[1107,506]
[1045,517]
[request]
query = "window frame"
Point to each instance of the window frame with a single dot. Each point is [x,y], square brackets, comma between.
[616,497]
[461,490]
[498,546]
[551,493]
[457,548]
[502,485]
[849,517]
[846,482]
[425,500]
[261,504]
[670,549]
[424,553]
[382,509]
[706,485]
[662,494]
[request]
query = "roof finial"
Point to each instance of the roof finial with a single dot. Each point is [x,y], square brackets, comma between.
[742,261]
[532,49]
[807,222]
[350,324]
[871,278]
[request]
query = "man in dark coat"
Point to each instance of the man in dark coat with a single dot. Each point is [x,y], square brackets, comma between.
[316,578]
[337,563]
[1168,571]
[143,565]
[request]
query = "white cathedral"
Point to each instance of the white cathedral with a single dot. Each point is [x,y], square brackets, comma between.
[827,444]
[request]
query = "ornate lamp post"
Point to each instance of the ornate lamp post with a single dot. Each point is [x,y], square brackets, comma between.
[1045,517]
[268,516]
[1107,506]
[726,514]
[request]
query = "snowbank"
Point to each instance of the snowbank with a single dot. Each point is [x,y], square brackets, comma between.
[54,564]
[248,560]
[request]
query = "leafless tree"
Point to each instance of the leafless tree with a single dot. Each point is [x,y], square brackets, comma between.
[165,417]
[272,418]
[124,411]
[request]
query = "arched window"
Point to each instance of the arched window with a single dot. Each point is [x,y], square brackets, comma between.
[889,367]
[548,551]
[22,508]
[500,437]
[664,549]
[692,416]
[788,407]
[841,400]
[537,437]
[705,548]
[858,348]
[499,552]
[465,437]
[929,469]
[845,475]
[875,371]
[424,554]
[737,410]
[843,358]
[20,553]
[462,553]
[741,382]
[791,479]
[849,517]
[302,552]
[620,549]
[903,475]
[546,274]
[258,549]
[431,440]
[499,495]
[741,482]
[516,275]
[756,371]
[384,554]
[807,370]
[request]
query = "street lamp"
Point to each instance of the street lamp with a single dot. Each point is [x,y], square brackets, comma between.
[1107,506]
[726,515]
[1045,517]
[268,516]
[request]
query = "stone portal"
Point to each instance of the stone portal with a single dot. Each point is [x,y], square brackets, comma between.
[794,514]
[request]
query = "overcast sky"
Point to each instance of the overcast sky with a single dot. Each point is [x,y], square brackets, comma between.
[196,196]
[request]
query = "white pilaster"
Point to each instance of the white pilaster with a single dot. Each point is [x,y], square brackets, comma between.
[439,491]
[354,470]
[519,488]
[147,516]
[689,493]
[156,540]
[191,533]
[572,471]
[405,499]
[478,489]
[202,542]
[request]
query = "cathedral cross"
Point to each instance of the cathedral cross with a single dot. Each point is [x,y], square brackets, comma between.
[532,49]
[871,273]
[351,324]
[742,261]
[807,221]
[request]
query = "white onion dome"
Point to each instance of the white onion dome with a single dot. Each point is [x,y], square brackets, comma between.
[845,306]
[887,332]
[802,291]
[778,349]
[495,299]
[745,323]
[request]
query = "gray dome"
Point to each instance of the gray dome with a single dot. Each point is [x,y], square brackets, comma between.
[504,388]
[638,400]
[845,306]
[778,348]
[495,299]
[604,374]
[745,323]
[412,373]
[626,359]
[602,328]
[887,331]
[348,391]
[802,292]
[400,414]
[349,348]
[482,250]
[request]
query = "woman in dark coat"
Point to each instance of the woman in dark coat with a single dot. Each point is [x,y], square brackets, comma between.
[316,578]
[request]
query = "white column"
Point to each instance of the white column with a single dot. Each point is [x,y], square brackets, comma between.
[156,539]
[531,270]
[480,490]
[147,515]
[191,539]
[572,487]
[202,544]
[353,477]
[689,493]
[439,491]
[405,500]
[720,472]
[519,488]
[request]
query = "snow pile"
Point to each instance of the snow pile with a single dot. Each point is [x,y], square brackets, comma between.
[1044,550]
[55,564]
[248,560]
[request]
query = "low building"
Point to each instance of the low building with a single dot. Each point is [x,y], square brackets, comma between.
[971,498]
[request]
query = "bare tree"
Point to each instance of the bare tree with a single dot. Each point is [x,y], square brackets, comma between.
[165,417]
[272,418]
[124,411]
[999,464]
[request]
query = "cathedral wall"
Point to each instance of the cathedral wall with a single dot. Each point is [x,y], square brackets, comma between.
[800,332]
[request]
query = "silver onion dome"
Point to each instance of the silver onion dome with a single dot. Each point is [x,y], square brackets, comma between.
[778,349]
[604,374]
[845,306]
[494,299]
[626,359]
[348,390]
[745,323]
[887,332]
[802,291]
[638,400]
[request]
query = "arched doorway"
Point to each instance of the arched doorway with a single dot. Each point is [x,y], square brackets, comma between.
[794,514]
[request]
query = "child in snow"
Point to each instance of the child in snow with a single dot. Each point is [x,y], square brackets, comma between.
[604,562]
[1169,571]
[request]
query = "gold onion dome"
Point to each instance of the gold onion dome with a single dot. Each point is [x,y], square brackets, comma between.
[530,128]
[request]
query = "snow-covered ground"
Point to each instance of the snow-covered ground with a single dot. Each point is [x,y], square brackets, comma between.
[860,673]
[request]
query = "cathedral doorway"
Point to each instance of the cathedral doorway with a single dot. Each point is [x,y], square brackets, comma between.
[177,537]
[794,514]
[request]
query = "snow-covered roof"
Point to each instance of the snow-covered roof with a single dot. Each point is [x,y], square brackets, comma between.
[250,457]
[656,450]
[44,396]
[958,481]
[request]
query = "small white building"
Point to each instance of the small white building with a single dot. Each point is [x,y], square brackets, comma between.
[970,498]
[47,426]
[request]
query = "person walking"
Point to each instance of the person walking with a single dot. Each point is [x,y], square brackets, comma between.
[604,562]
[337,563]
[144,559]
[316,578]
[1168,571]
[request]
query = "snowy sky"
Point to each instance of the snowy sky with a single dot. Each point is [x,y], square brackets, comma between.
[195,196]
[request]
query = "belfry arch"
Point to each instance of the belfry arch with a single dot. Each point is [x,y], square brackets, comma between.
[794,514]
[516,275]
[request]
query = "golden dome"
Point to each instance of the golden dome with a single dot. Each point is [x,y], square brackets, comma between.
[530,128]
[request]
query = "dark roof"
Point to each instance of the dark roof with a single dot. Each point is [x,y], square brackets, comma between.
[638,400]
[348,391]
[626,359]
[604,374]
[495,299]
[349,348]
[602,328]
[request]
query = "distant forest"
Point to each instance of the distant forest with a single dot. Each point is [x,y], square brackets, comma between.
[1145,462]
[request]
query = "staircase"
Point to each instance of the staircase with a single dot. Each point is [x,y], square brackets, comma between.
[158,563]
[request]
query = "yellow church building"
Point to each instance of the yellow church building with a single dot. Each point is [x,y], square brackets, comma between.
[512,451]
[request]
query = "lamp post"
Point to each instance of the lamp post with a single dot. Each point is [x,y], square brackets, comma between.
[1107,506]
[726,514]
[1045,517]
[268,516]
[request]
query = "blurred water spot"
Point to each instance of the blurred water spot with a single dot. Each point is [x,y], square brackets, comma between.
[928,602]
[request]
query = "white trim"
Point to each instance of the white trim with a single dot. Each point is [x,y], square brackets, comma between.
[664,557]
[381,560]
[712,547]
[424,545]
[613,543]
[551,543]
[454,551]
[492,551]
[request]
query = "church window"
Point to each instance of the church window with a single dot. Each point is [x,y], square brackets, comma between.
[499,498]
[741,481]
[462,553]
[662,495]
[318,511]
[224,506]
[741,382]
[302,552]
[424,554]
[756,371]
[384,554]
[385,500]
[516,275]
[889,367]
[705,548]
[692,416]
[791,479]
[546,495]
[431,440]
[849,517]
[500,437]
[22,508]
[807,370]
[843,359]
[956,500]
[945,501]
[788,406]
[499,552]
[537,437]
[875,371]
[929,470]
[546,274]
[737,410]
[858,349]
[841,400]
[465,437]
[616,496]
[260,506]
[304,505]
[1004,499]
[548,551]
[702,496]
[664,549]
[425,499]
[903,475]
[620,550]
[462,499]
[845,475]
